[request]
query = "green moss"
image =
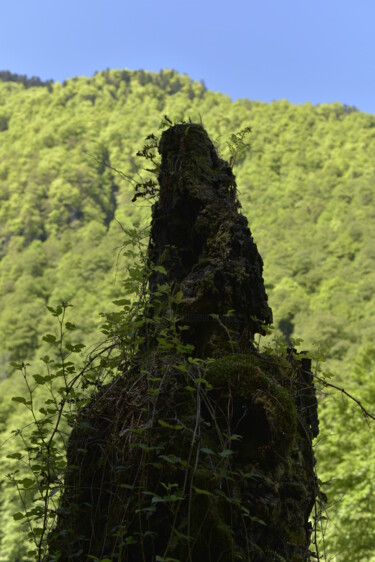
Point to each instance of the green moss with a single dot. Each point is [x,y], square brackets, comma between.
[263,411]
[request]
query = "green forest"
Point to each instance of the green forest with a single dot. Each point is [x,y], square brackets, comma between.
[306,182]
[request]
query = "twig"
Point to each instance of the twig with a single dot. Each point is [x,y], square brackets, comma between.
[366,413]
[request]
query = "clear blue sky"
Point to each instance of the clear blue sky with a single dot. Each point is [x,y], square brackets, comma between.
[300,50]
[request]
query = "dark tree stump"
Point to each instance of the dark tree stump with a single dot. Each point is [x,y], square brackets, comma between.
[196,461]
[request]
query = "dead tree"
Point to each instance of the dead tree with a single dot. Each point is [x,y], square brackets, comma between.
[199,450]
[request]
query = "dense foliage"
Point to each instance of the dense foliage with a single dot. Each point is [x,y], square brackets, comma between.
[306,185]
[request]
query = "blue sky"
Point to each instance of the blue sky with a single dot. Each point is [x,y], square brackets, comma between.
[301,50]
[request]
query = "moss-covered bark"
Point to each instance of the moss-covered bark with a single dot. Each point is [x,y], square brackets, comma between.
[203,241]
[194,460]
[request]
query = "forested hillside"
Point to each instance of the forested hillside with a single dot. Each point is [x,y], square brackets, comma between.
[307,187]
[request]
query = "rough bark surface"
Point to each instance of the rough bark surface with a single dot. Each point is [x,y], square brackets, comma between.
[204,243]
[211,471]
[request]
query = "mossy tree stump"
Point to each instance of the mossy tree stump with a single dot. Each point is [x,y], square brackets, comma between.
[200,450]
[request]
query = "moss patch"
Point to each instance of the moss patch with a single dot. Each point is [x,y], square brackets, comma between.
[264,412]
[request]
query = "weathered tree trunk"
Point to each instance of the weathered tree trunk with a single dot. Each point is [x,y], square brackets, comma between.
[192,460]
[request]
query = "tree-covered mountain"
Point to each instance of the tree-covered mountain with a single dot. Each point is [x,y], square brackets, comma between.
[307,186]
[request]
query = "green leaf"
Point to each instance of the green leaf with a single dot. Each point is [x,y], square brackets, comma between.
[190,388]
[169,426]
[17,456]
[27,482]
[146,448]
[203,492]
[130,540]
[18,366]
[18,516]
[171,459]
[226,453]
[181,368]
[179,297]
[166,499]
[75,348]
[250,475]
[160,269]
[55,311]
[49,338]
[208,451]
[46,359]
[19,399]
[121,302]
[257,520]
[39,379]
[236,437]
[200,380]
